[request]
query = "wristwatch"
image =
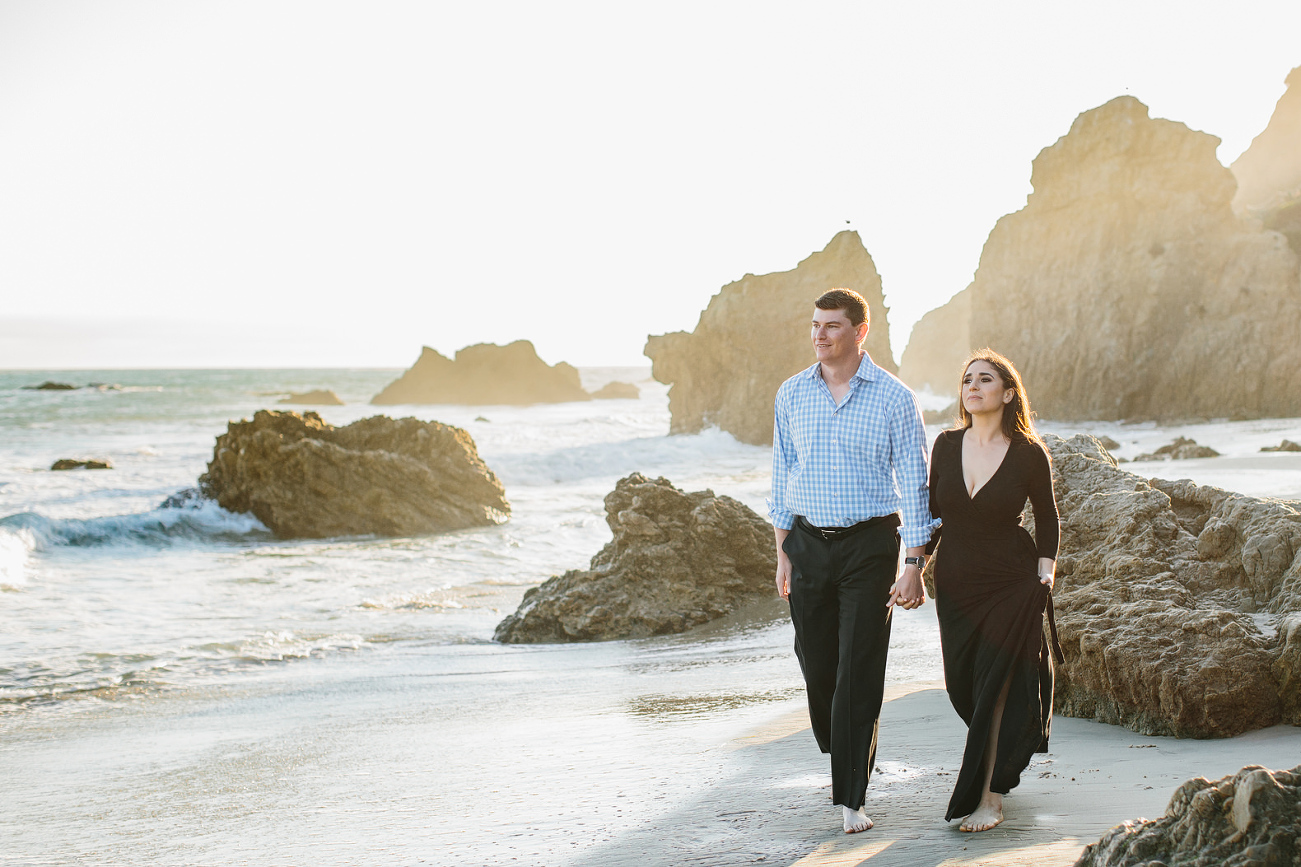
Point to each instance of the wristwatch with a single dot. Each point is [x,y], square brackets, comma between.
[919,562]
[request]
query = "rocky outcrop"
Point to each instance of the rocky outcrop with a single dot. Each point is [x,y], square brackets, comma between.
[304,478]
[320,397]
[677,560]
[50,385]
[1246,819]
[617,391]
[484,374]
[74,464]
[1285,446]
[939,343]
[1269,172]
[1182,449]
[1126,269]
[754,334]
[1178,605]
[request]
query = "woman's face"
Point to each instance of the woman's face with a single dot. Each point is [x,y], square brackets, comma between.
[983,389]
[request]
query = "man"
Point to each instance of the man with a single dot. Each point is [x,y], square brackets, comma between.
[849,453]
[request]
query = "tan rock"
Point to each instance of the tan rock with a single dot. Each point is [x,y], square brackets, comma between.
[319,397]
[1269,172]
[76,464]
[1285,446]
[1182,449]
[304,478]
[1173,600]
[1252,817]
[677,560]
[484,374]
[1126,270]
[754,334]
[617,391]
[939,343]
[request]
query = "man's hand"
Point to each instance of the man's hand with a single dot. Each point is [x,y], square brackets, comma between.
[783,565]
[908,592]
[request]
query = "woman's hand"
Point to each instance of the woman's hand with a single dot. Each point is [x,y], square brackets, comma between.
[1047,572]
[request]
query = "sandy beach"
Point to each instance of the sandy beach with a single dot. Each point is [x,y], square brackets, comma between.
[382,761]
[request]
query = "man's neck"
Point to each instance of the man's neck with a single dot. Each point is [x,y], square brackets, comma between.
[842,371]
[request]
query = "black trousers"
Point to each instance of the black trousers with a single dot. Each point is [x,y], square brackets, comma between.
[839,590]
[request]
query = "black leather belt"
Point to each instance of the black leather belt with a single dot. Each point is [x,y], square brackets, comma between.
[832,534]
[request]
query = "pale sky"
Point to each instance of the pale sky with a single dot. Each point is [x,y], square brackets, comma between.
[309,184]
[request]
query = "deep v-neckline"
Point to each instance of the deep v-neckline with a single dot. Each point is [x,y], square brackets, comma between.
[962,470]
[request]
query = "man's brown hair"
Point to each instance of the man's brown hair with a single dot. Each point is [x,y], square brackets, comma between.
[847,300]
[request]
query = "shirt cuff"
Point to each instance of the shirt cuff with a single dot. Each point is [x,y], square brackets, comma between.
[916,537]
[781,519]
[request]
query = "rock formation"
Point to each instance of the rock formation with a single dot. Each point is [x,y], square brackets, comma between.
[939,343]
[1178,605]
[1246,819]
[754,335]
[617,391]
[1182,449]
[676,560]
[1126,270]
[485,374]
[320,397]
[74,464]
[50,385]
[304,478]
[1269,172]
[1285,446]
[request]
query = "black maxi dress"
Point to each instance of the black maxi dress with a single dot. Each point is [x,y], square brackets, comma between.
[991,606]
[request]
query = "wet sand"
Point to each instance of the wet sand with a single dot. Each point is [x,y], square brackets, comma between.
[659,753]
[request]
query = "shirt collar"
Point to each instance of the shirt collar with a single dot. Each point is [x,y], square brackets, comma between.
[866,369]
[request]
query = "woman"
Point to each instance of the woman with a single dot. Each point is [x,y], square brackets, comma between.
[992,584]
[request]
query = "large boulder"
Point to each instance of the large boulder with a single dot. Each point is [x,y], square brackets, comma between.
[484,374]
[676,560]
[304,478]
[1125,271]
[1246,819]
[1269,172]
[754,334]
[1178,605]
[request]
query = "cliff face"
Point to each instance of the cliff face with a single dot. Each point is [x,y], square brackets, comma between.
[1269,172]
[1127,279]
[484,374]
[754,335]
[938,345]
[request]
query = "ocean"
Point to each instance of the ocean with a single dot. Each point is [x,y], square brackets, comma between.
[146,652]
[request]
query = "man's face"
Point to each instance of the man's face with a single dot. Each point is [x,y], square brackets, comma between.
[835,338]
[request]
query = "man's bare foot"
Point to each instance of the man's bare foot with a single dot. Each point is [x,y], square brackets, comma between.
[987,815]
[856,820]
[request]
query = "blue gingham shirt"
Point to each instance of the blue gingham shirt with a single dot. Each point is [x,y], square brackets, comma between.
[837,464]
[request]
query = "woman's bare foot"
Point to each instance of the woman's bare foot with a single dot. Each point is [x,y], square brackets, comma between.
[986,816]
[856,820]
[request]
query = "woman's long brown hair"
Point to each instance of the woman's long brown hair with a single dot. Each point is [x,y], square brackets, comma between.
[1018,419]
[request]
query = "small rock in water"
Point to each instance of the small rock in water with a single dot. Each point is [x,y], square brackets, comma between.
[1181,449]
[1285,446]
[72,464]
[1108,443]
[617,391]
[183,499]
[1251,817]
[319,397]
[50,385]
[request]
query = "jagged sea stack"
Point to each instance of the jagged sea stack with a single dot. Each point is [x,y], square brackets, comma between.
[304,478]
[754,335]
[1126,272]
[677,560]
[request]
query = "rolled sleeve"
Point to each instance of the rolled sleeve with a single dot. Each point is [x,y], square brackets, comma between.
[908,453]
[783,459]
